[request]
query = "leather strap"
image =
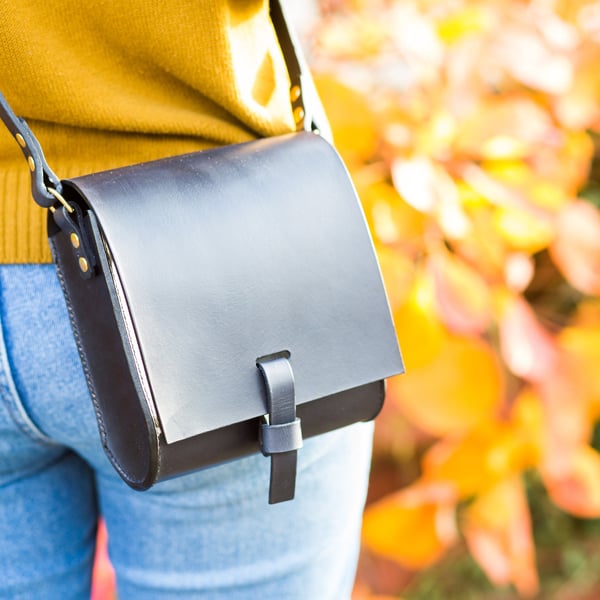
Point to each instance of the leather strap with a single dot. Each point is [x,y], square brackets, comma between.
[305,102]
[281,436]
[42,176]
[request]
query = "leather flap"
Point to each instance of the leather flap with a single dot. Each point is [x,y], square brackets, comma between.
[233,254]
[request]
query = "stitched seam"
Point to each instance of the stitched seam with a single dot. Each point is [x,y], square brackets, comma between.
[87,373]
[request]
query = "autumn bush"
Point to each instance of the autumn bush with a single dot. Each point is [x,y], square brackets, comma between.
[469,130]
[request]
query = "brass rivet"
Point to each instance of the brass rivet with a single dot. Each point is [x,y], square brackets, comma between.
[83,264]
[298,114]
[295,93]
[31,163]
[74,240]
[21,140]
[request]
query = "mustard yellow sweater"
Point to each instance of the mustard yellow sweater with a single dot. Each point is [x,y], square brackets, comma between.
[108,83]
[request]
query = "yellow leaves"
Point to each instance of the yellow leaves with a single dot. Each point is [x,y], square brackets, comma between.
[490,453]
[463,297]
[404,529]
[460,387]
[427,187]
[436,135]
[392,221]
[534,189]
[527,426]
[469,20]
[367,33]
[502,147]
[566,166]
[476,462]
[523,230]
[504,128]
[420,332]
[351,119]
[533,60]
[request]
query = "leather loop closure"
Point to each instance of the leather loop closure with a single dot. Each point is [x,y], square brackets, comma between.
[281,437]
[275,439]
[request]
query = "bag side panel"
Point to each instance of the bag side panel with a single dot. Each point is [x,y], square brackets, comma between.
[126,429]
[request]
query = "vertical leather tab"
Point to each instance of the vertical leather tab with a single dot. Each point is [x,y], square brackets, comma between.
[281,436]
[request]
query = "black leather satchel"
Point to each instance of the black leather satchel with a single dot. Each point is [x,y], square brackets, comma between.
[223,302]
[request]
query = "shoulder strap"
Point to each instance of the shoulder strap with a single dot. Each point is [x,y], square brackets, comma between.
[306,103]
[44,183]
[46,187]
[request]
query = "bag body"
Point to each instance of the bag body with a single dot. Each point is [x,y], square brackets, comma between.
[206,263]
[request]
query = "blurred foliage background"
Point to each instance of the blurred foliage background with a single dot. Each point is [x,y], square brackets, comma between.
[471,132]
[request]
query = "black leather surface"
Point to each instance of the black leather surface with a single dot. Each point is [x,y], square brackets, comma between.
[279,259]
[138,452]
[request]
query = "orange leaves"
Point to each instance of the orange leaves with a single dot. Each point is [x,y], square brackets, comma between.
[527,349]
[498,532]
[576,249]
[581,345]
[405,529]
[485,465]
[577,488]
[579,106]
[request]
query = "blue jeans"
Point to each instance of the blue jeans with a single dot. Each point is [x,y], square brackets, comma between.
[208,535]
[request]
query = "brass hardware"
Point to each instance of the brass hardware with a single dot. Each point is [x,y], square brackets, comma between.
[31,163]
[83,264]
[295,93]
[298,114]
[61,199]
[74,240]
[21,140]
